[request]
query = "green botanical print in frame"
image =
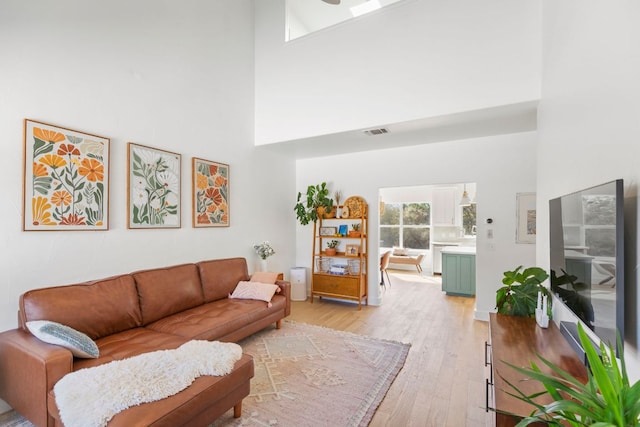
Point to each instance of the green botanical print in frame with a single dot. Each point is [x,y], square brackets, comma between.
[66,179]
[153,188]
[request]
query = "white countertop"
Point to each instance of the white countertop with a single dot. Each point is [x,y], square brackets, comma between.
[460,250]
[445,243]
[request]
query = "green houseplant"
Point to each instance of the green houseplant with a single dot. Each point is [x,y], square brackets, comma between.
[331,247]
[607,399]
[315,202]
[519,295]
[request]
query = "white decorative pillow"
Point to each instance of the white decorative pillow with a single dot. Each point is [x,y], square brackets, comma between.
[55,333]
[254,290]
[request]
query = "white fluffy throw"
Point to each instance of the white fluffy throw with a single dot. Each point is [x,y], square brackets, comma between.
[92,396]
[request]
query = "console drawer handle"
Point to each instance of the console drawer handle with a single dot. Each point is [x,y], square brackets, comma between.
[486,354]
[487,384]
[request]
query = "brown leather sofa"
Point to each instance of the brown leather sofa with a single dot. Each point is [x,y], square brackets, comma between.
[132,314]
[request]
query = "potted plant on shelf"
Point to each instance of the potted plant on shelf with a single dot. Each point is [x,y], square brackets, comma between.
[315,202]
[607,399]
[355,230]
[331,247]
[519,295]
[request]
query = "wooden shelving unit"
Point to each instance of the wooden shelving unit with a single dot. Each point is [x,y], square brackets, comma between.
[352,284]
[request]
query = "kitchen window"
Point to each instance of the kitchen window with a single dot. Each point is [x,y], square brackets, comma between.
[406,225]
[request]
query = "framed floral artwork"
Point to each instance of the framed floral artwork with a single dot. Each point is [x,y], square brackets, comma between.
[153,188]
[210,194]
[65,179]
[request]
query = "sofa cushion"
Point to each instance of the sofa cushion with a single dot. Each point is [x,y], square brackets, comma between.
[210,321]
[78,343]
[128,344]
[166,291]
[113,304]
[220,277]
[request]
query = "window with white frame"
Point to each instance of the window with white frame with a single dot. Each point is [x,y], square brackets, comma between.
[406,225]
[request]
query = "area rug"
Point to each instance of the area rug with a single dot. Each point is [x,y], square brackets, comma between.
[308,375]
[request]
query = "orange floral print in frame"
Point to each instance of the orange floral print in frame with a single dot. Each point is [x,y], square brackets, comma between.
[210,193]
[65,179]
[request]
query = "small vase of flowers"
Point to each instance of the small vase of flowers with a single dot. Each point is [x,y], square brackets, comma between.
[264,251]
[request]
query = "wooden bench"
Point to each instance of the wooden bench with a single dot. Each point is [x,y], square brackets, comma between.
[407,260]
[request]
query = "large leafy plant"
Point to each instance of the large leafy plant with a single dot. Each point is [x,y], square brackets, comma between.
[307,205]
[519,295]
[607,399]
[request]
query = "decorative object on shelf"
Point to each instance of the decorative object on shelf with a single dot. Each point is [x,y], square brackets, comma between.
[543,312]
[519,295]
[608,398]
[352,250]
[331,247]
[340,269]
[345,212]
[323,264]
[355,230]
[337,195]
[342,230]
[331,213]
[356,206]
[354,266]
[210,193]
[154,188]
[328,231]
[315,203]
[526,218]
[65,179]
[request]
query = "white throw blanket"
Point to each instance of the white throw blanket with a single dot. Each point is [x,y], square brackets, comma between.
[92,396]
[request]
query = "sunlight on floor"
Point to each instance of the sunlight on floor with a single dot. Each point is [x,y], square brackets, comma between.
[413,276]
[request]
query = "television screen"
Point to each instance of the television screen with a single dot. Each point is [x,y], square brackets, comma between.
[587,256]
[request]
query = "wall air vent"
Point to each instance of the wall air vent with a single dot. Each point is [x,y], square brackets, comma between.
[379,131]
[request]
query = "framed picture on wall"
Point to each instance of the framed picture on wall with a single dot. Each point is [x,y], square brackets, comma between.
[153,188]
[210,193]
[526,218]
[65,179]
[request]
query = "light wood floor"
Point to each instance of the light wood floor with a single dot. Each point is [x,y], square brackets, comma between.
[442,381]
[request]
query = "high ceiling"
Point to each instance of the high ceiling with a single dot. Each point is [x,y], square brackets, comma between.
[307,16]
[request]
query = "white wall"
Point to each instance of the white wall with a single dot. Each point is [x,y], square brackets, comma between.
[501,166]
[168,74]
[588,122]
[410,60]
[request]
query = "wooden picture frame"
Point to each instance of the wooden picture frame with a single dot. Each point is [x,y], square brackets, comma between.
[328,231]
[526,218]
[153,187]
[65,179]
[352,250]
[209,194]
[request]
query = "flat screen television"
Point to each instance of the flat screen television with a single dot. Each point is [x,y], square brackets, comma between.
[587,256]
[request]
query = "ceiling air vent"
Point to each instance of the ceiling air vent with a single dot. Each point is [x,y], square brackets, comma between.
[378,131]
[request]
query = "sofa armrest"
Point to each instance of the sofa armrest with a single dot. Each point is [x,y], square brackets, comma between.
[29,368]
[285,287]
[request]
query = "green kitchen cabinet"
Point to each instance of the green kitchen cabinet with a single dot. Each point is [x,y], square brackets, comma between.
[459,274]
